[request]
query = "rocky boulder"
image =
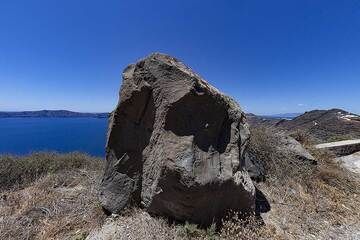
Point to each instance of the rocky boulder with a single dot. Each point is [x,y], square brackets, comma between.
[175,146]
[350,162]
[282,145]
[291,145]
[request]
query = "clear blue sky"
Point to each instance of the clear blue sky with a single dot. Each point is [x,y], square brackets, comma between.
[272,56]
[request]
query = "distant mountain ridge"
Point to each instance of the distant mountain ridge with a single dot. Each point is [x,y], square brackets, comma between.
[269,120]
[283,115]
[52,114]
[325,125]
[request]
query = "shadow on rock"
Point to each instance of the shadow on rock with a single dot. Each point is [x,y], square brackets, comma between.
[262,205]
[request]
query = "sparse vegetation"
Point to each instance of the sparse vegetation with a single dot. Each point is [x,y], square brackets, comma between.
[18,171]
[325,125]
[49,196]
[312,202]
[54,196]
[303,137]
[279,162]
[248,229]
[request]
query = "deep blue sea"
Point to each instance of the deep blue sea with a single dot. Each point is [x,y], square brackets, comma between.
[25,135]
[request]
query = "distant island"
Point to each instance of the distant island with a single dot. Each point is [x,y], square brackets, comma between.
[52,114]
[288,116]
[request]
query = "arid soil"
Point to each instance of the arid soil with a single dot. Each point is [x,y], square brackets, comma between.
[59,200]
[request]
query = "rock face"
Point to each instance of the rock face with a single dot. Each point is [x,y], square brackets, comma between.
[254,167]
[175,146]
[351,162]
[285,144]
[293,146]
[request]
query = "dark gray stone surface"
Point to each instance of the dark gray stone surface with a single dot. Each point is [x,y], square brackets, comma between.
[176,146]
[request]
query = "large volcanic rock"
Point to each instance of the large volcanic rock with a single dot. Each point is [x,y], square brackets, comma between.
[175,146]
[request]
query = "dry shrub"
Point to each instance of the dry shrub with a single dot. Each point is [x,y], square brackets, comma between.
[332,173]
[138,224]
[62,204]
[247,229]
[279,162]
[135,224]
[307,202]
[58,200]
[303,137]
[18,171]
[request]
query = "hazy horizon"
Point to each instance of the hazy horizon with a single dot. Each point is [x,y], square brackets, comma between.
[272,57]
[92,112]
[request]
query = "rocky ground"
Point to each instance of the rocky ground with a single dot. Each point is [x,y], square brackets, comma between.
[296,201]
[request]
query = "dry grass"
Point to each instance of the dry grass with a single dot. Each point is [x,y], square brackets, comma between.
[51,196]
[247,229]
[308,202]
[280,163]
[135,224]
[18,171]
[303,137]
[138,224]
[58,202]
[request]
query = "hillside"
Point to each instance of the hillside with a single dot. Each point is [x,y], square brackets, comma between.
[52,196]
[52,113]
[325,125]
[288,116]
[258,121]
[269,120]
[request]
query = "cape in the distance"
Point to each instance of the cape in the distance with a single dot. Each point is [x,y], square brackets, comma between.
[73,114]
[52,114]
